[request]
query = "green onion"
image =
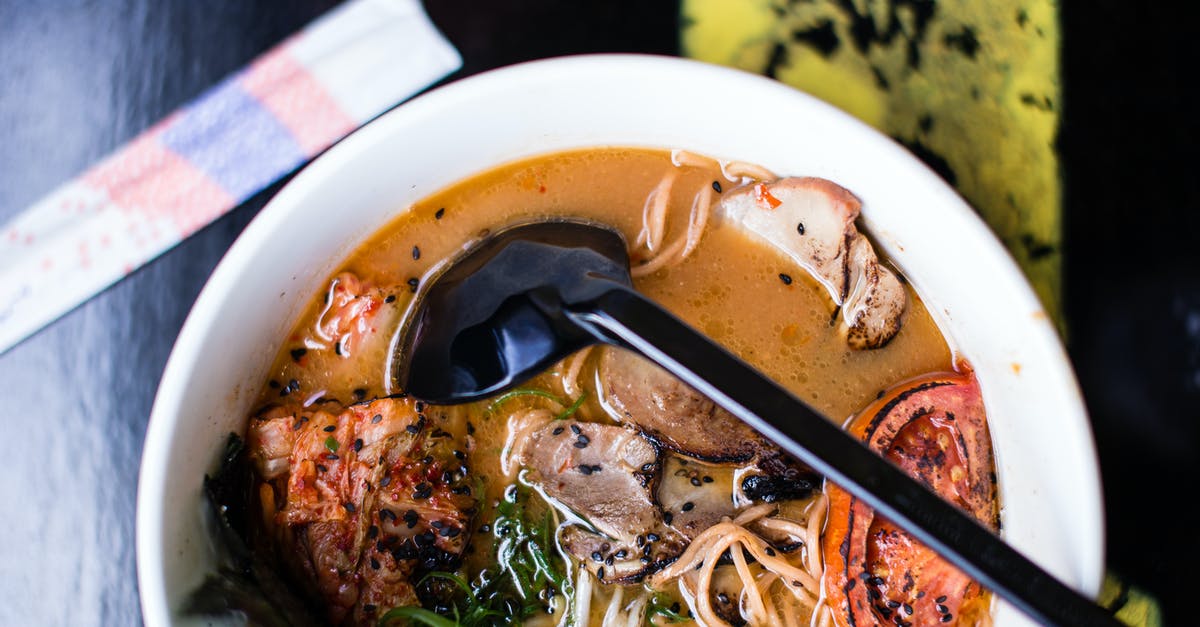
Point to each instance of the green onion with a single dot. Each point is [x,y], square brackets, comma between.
[331,443]
[507,396]
[573,408]
[418,615]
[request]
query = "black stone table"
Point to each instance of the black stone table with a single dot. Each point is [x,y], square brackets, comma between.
[79,78]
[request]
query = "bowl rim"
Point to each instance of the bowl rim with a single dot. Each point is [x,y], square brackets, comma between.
[152,500]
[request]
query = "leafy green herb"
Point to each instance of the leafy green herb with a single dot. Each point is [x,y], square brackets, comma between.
[523,392]
[659,605]
[573,408]
[332,444]
[415,615]
[527,574]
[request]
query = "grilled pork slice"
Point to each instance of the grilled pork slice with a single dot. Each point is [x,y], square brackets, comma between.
[360,501]
[606,476]
[876,574]
[812,221]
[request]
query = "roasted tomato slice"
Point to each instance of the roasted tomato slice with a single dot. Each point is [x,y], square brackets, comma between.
[934,429]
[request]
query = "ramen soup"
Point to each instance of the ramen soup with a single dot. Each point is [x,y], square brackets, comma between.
[604,491]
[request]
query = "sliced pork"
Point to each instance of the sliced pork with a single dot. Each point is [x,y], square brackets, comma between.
[812,221]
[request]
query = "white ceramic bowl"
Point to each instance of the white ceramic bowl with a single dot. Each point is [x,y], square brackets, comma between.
[1048,477]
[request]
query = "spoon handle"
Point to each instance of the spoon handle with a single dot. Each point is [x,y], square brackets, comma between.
[624,317]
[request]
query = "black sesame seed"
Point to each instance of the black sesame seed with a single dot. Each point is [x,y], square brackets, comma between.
[947,618]
[687,507]
[297,353]
[419,406]
[470,428]
[653,537]
[273,384]
[337,347]
[597,557]
[580,444]
[372,532]
[391,298]
[332,457]
[374,566]
[641,540]
[723,598]
[942,609]
[358,444]
[450,532]
[575,429]
[717,187]
[350,507]
[608,561]
[557,430]
[695,482]
[668,517]
[941,599]
[330,429]
[622,554]
[459,455]
[707,479]
[800,228]
[893,604]
[322,468]
[385,481]
[413,283]
[376,418]
[416,253]
[585,469]
[596,468]
[439,213]
[787,280]
[770,551]
[485,528]
[600,573]
[387,514]
[584,439]
[648,467]
[908,609]
[876,581]
[437,524]
[412,429]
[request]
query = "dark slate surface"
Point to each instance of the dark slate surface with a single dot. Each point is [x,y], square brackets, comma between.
[79,77]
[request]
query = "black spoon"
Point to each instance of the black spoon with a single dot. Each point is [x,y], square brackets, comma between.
[530,295]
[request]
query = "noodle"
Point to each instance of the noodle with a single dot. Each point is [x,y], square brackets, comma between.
[614,606]
[654,216]
[680,249]
[735,170]
[583,597]
[570,379]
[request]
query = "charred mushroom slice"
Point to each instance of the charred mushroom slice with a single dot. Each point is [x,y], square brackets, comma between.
[360,501]
[812,221]
[671,413]
[605,475]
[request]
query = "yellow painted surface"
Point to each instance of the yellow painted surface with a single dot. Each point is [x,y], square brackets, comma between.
[974,85]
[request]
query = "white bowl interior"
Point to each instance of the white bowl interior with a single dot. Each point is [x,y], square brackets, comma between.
[1045,456]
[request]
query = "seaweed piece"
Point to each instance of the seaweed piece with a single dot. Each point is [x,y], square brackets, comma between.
[245,585]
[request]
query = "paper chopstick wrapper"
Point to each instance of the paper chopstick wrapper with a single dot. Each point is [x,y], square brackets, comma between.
[206,158]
